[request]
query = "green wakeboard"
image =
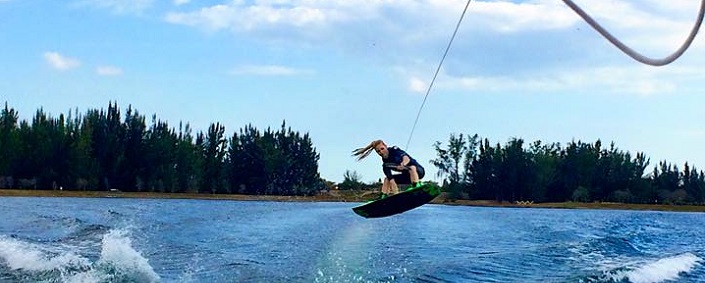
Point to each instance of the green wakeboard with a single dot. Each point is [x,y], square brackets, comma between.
[398,203]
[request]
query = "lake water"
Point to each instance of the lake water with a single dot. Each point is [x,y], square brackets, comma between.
[156,240]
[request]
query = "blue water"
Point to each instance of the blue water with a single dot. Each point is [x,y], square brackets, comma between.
[154,240]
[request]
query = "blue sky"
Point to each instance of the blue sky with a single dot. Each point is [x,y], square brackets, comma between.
[348,72]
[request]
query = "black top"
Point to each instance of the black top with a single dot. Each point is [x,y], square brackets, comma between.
[395,158]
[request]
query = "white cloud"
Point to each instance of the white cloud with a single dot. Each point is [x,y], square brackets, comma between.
[417,85]
[181,2]
[61,62]
[239,17]
[268,70]
[421,17]
[649,22]
[119,6]
[515,17]
[109,71]
[633,80]
[415,30]
[499,15]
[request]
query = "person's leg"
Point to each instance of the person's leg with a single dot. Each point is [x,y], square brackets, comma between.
[401,179]
[386,186]
[393,188]
[413,174]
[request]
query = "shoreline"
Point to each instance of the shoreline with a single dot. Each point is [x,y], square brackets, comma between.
[340,196]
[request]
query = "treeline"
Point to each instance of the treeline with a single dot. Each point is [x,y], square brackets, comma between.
[100,150]
[473,168]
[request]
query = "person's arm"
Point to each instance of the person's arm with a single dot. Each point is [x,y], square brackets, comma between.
[405,160]
[387,171]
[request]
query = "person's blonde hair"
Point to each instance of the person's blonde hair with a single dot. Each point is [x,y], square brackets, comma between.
[363,152]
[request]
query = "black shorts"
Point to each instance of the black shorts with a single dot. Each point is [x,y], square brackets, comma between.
[405,177]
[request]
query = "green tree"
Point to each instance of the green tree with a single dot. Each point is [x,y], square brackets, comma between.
[666,180]
[188,161]
[108,145]
[302,163]
[544,159]
[484,171]
[161,144]
[247,164]
[581,194]
[692,184]
[351,181]
[83,171]
[513,180]
[281,162]
[133,169]
[9,144]
[453,162]
[214,150]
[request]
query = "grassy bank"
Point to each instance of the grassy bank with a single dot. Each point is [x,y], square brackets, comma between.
[345,196]
[104,194]
[583,205]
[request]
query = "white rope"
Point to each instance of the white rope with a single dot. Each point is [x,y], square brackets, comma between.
[436,73]
[635,55]
[624,48]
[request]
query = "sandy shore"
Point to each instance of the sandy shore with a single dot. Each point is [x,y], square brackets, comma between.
[341,196]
